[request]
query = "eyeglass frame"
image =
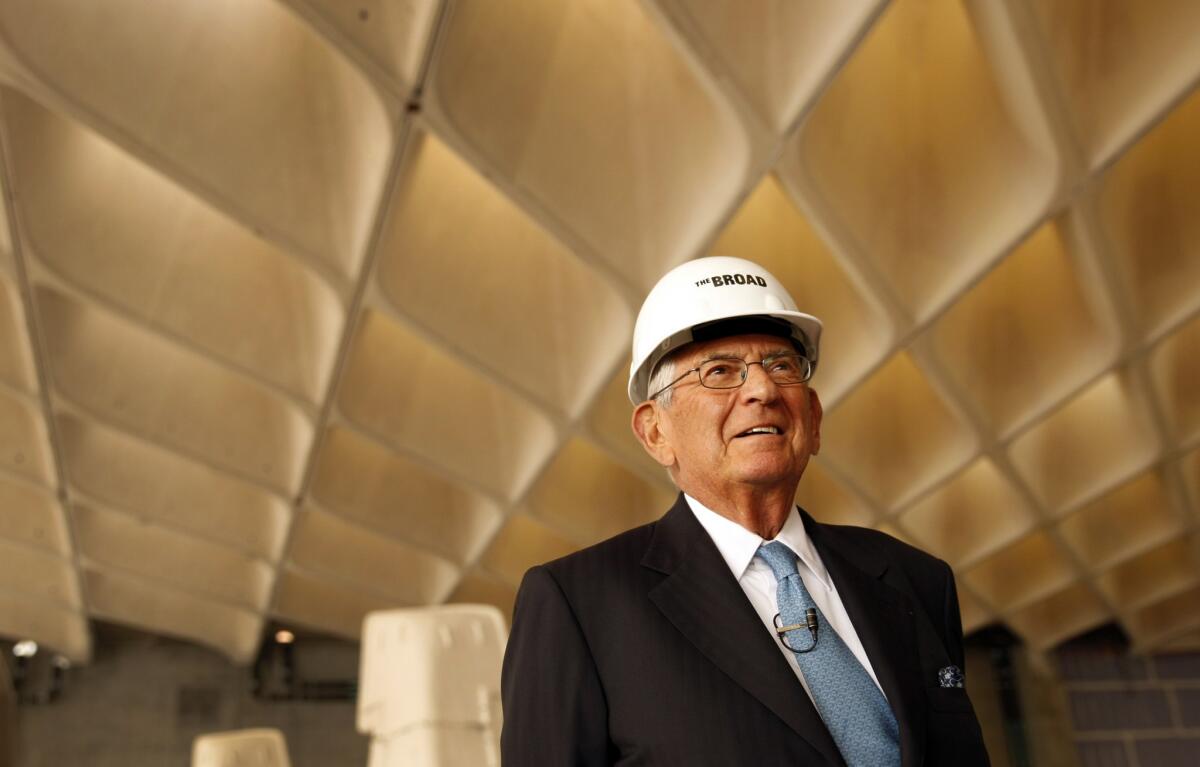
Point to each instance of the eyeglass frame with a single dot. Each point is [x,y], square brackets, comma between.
[810,623]
[745,372]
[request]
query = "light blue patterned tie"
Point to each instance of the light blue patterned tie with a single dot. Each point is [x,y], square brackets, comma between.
[848,700]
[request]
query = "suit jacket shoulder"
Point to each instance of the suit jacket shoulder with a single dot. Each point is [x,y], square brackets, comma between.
[906,556]
[925,579]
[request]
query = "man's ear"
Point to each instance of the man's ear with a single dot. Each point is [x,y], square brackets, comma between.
[815,413]
[647,427]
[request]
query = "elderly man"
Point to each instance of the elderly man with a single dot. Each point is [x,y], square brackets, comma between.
[736,630]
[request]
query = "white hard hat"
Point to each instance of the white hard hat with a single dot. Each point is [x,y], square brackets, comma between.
[704,291]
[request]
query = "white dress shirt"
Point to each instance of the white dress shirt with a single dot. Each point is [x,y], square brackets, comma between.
[738,546]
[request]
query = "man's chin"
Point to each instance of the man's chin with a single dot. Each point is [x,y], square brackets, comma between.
[768,473]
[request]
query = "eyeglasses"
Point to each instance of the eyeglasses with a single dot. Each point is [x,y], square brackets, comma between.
[730,373]
[810,623]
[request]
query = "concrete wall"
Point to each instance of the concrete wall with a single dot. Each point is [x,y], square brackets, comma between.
[1021,706]
[145,698]
[1090,703]
[1132,712]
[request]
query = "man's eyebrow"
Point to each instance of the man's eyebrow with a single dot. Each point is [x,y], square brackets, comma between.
[730,355]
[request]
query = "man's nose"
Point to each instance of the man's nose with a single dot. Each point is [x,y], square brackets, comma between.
[758,385]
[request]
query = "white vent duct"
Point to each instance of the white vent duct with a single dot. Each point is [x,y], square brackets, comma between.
[429,686]
[262,747]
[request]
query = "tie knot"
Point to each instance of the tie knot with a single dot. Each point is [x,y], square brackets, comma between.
[779,558]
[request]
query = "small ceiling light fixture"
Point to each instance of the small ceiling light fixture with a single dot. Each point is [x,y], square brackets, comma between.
[26,648]
[283,636]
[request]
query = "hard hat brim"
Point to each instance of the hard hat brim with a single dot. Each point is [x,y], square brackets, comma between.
[806,330]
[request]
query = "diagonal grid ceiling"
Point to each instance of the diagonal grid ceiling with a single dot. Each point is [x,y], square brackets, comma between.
[309,308]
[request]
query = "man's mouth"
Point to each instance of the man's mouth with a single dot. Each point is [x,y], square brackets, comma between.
[760,430]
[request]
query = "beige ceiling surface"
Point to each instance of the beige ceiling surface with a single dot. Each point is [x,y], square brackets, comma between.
[309,308]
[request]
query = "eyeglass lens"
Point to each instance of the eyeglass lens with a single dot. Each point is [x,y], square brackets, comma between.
[783,369]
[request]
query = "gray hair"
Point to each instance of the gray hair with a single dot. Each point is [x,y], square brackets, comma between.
[663,375]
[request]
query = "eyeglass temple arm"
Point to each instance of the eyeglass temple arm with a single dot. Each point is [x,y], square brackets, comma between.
[810,623]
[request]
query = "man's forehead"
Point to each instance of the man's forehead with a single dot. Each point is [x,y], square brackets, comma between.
[736,346]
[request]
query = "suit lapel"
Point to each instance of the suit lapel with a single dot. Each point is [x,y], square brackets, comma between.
[883,619]
[704,602]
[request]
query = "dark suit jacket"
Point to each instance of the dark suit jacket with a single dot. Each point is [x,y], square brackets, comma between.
[644,650]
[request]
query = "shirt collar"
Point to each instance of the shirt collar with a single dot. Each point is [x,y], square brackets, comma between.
[738,545]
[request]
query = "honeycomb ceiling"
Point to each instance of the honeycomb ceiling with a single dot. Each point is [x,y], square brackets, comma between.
[309,308]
